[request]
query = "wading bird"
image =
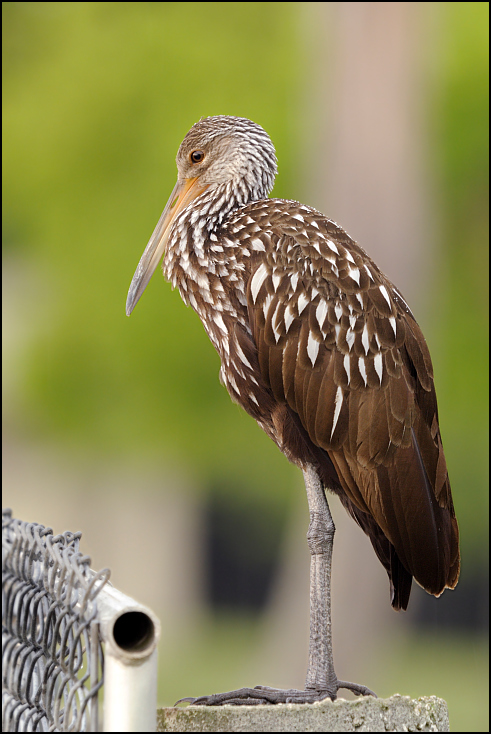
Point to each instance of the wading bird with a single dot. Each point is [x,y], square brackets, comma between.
[320,348]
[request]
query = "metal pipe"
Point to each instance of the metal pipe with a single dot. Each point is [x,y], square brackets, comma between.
[130,632]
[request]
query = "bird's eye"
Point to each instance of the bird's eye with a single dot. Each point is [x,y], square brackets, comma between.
[197,156]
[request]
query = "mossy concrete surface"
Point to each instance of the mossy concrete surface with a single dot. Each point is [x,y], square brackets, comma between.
[398,713]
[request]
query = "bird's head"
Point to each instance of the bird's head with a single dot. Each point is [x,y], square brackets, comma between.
[230,161]
[228,150]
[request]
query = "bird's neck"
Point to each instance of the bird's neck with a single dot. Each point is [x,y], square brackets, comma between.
[195,231]
[208,269]
[215,205]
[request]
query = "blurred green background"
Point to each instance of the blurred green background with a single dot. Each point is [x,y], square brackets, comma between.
[97,98]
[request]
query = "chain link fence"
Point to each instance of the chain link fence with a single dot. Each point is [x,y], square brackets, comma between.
[52,659]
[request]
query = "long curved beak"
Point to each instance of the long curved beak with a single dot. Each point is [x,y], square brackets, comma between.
[183,194]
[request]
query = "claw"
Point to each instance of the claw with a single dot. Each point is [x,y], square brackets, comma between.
[185,700]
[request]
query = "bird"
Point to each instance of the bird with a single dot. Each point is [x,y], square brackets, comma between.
[323,351]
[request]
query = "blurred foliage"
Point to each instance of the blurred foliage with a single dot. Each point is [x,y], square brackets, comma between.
[461,302]
[97,97]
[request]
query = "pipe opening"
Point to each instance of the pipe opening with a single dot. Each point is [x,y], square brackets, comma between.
[134,631]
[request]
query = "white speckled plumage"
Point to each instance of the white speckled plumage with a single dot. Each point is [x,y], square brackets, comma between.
[315,343]
[291,302]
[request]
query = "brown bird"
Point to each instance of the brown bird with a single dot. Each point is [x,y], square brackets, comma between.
[320,348]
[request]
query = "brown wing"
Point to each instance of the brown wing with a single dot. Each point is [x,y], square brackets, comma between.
[337,343]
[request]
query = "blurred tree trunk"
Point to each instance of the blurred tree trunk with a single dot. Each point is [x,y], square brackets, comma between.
[362,131]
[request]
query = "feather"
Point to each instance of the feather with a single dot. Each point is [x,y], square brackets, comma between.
[275,363]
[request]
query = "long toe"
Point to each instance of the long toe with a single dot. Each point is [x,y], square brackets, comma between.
[264,695]
[242,696]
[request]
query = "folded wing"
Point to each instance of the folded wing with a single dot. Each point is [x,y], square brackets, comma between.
[338,345]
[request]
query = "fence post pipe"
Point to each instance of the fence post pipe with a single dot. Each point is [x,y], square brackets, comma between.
[130,632]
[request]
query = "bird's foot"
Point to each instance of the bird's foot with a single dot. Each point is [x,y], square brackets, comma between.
[263,695]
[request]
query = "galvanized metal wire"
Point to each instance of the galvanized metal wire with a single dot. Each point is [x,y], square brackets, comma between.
[52,659]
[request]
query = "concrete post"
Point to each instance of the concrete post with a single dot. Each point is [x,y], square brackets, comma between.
[398,713]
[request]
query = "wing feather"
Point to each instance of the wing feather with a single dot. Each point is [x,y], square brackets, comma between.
[338,346]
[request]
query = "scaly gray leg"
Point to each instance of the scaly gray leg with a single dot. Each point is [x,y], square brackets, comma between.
[320,537]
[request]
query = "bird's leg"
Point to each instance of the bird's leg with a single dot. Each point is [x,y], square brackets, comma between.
[322,681]
[320,537]
[321,676]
